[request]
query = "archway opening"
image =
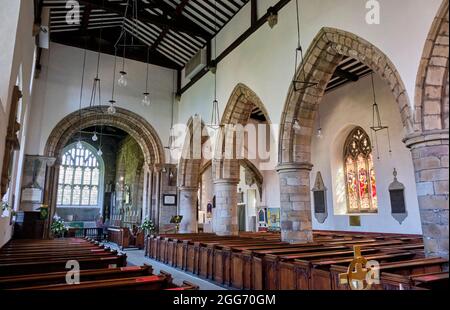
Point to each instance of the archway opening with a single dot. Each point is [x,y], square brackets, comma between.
[101,179]
[325,59]
[129,148]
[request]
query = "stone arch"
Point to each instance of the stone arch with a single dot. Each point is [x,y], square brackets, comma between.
[136,126]
[326,51]
[432,83]
[256,175]
[191,155]
[237,112]
[189,167]
[322,58]
[429,142]
[225,165]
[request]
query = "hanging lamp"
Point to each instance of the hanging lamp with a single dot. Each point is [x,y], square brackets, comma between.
[215,118]
[300,84]
[171,143]
[123,81]
[319,133]
[96,87]
[79,144]
[377,124]
[146,95]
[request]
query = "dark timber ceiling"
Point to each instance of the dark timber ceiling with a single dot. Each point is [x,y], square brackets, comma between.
[349,70]
[174,30]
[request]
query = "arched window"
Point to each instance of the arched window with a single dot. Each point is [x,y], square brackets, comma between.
[80,177]
[360,174]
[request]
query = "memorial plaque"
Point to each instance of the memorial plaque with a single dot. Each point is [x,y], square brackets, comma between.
[32,195]
[397,197]
[319,202]
[320,199]
[398,201]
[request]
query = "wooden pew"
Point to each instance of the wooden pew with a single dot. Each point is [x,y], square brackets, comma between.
[431,281]
[395,275]
[243,272]
[315,275]
[54,265]
[269,263]
[153,282]
[85,275]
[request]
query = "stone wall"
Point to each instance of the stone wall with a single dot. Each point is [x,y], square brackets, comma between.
[129,177]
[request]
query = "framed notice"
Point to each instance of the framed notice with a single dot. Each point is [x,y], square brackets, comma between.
[169,200]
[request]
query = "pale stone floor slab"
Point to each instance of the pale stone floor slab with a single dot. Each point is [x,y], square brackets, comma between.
[137,258]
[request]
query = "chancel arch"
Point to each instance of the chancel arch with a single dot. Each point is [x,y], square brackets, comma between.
[327,50]
[139,130]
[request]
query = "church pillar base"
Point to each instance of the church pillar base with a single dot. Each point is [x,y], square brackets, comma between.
[430,157]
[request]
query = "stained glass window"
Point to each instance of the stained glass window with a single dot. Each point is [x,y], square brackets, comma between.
[360,173]
[79,177]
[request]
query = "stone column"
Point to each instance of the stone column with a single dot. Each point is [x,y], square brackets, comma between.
[157,206]
[225,221]
[430,157]
[188,209]
[295,200]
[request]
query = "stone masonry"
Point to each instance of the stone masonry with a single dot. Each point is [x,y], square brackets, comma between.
[188,209]
[296,223]
[225,215]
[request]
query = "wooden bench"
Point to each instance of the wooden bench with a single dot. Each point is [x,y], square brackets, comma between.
[85,275]
[395,275]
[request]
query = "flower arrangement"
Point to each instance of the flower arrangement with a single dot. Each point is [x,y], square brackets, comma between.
[148,226]
[58,227]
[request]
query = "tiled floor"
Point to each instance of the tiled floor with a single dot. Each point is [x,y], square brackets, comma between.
[136,257]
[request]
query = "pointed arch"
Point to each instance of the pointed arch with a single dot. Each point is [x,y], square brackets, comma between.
[192,153]
[321,60]
[237,112]
[432,83]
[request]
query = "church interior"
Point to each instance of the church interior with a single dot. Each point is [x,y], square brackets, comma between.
[224,144]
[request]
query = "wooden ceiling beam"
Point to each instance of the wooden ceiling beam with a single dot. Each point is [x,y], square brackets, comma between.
[346,75]
[172,12]
[178,11]
[84,40]
[161,21]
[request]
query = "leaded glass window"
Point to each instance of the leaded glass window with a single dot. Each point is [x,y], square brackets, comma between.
[79,177]
[361,185]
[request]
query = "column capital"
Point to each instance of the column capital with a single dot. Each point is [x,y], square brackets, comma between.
[187,189]
[289,167]
[419,138]
[227,181]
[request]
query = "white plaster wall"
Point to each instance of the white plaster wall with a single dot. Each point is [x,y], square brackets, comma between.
[342,110]
[265,61]
[16,60]
[58,91]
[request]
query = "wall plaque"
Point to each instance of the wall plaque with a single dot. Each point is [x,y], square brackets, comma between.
[397,197]
[320,199]
[355,220]
[32,195]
